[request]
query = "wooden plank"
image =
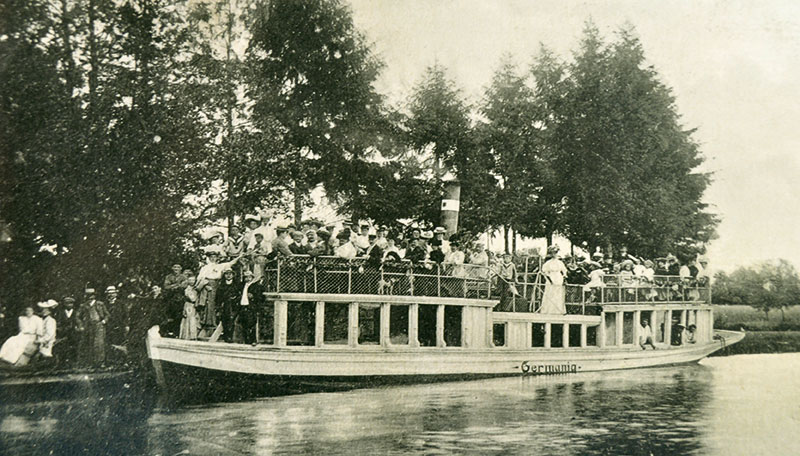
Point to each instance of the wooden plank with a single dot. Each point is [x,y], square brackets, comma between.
[280,316]
[583,336]
[352,324]
[381,298]
[413,325]
[547,334]
[620,329]
[319,324]
[385,317]
[601,331]
[440,326]
[545,318]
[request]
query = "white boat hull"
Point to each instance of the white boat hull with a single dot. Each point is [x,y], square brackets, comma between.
[399,361]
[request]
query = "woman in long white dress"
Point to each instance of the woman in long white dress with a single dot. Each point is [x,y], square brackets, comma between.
[189,324]
[554,270]
[30,327]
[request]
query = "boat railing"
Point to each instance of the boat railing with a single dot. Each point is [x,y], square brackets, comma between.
[335,275]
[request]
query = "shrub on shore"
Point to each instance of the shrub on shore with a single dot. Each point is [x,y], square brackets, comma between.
[764,342]
[736,317]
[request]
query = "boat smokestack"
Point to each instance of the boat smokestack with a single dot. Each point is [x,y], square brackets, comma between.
[450,205]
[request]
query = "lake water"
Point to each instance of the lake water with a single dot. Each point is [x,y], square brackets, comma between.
[748,404]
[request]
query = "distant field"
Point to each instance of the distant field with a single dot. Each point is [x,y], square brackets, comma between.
[736,317]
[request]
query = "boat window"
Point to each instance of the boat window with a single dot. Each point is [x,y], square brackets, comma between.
[556,335]
[574,335]
[591,336]
[336,323]
[369,324]
[452,325]
[426,324]
[611,328]
[627,327]
[398,325]
[499,334]
[537,335]
[266,324]
[300,323]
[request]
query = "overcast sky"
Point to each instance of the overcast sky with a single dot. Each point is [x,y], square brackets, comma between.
[733,66]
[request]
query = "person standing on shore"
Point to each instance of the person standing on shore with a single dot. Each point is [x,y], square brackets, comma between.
[47,338]
[92,319]
[67,340]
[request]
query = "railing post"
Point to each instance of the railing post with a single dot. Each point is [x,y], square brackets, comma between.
[349,277]
[668,327]
[319,324]
[439,280]
[583,335]
[385,335]
[314,265]
[352,324]
[440,326]
[547,334]
[278,275]
[381,280]
[280,319]
[637,317]
[565,336]
[619,327]
[601,330]
[413,325]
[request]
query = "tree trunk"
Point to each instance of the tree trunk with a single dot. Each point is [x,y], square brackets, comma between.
[783,315]
[514,243]
[298,205]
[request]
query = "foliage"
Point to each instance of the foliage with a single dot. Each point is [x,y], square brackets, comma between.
[624,164]
[771,285]
[312,77]
[102,141]
[442,139]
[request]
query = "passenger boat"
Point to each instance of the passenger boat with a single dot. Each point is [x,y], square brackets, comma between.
[339,320]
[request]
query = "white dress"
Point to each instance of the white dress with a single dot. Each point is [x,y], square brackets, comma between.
[14,347]
[554,291]
[48,336]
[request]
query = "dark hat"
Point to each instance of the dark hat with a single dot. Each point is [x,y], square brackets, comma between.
[372,237]
[69,299]
[323,233]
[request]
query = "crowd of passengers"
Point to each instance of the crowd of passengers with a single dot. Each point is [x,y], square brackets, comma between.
[225,296]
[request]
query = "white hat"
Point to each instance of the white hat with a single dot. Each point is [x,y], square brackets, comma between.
[439,230]
[253,217]
[111,289]
[50,303]
[426,235]
[213,249]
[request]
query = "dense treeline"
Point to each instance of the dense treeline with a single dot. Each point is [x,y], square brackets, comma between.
[128,124]
[767,286]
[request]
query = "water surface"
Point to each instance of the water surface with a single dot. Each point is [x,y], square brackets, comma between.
[748,404]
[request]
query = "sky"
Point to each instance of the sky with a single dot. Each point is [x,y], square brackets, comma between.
[733,67]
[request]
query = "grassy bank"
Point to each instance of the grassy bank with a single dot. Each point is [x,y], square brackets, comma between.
[764,335]
[764,342]
[745,317]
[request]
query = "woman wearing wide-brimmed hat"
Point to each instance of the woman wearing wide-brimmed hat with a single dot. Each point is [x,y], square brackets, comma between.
[554,270]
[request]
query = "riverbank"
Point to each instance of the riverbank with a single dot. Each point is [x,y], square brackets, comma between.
[772,334]
[764,342]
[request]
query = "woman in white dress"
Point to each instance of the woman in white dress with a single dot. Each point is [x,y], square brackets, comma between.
[47,338]
[189,324]
[30,326]
[554,272]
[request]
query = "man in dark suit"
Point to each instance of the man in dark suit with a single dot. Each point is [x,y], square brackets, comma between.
[92,317]
[67,336]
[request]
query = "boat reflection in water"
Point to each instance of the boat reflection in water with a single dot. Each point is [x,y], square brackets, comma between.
[722,406]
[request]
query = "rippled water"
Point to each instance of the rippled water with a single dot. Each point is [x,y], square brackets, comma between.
[746,404]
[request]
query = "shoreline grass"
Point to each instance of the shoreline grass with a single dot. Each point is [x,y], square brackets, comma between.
[764,342]
[749,319]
